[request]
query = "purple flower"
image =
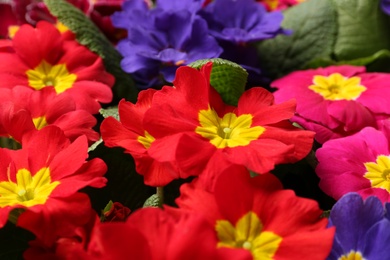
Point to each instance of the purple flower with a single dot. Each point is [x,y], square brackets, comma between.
[385,5]
[362,229]
[242,21]
[162,39]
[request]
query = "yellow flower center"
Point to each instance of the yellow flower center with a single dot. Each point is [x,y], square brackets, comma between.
[61,27]
[229,131]
[46,75]
[146,140]
[272,4]
[352,256]
[28,190]
[12,30]
[337,87]
[248,234]
[379,173]
[40,122]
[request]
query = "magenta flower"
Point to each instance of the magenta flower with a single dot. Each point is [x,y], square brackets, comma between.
[357,163]
[336,101]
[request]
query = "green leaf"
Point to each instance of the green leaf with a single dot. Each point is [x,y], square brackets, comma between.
[363,29]
[110,111]
[314,30]
[324,62]
[89,35]
[152,201]
[227,77]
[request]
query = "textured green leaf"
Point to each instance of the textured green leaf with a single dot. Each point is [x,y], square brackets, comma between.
[152,201]
[89,35]
[110,111]
[363,29]
[314,30]
[227,77]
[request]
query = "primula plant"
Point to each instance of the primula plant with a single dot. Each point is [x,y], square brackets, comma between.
[195,129]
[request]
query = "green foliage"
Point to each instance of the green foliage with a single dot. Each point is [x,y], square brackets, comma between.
[363,29]
[372,60]
[314,30]
[329,32]
[89,35]
[227,77]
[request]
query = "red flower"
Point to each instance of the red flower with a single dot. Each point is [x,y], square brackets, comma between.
[130,134]
[256,217]
[45,175]
[193,126]
[67,241]
[117,212]
[23,110]
[44,59]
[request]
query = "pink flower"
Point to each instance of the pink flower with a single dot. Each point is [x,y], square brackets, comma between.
[336,101]
[358,163]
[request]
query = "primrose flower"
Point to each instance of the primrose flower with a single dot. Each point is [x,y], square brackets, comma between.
[335,101]
[149,233]
[241,21]
[357,163]
[192,126]
[254,218]
[43,59]
[130,134]
[24,109]
[44,177]
[362,230]
[162,39]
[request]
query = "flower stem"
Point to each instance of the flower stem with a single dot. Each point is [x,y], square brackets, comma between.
[160,195]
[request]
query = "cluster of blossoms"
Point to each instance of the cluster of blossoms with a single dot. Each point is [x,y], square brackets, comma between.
[347,108]
[177,32]
[16,13]
[50,87]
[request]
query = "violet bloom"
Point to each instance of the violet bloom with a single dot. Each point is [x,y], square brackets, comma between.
[162,39]
[362,229]
[242,21]
[385,6]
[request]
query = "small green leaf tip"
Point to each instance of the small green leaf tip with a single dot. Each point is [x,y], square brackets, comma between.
[153,201]
[89,35]
[110,111]
[227,77]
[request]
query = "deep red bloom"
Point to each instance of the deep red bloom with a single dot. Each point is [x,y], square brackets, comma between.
[45,175]
[256,217]
[130,134]
[20,12]
[23,109]
[44,59]
[7,18]
[117,212]
[149,233]
[193,126]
